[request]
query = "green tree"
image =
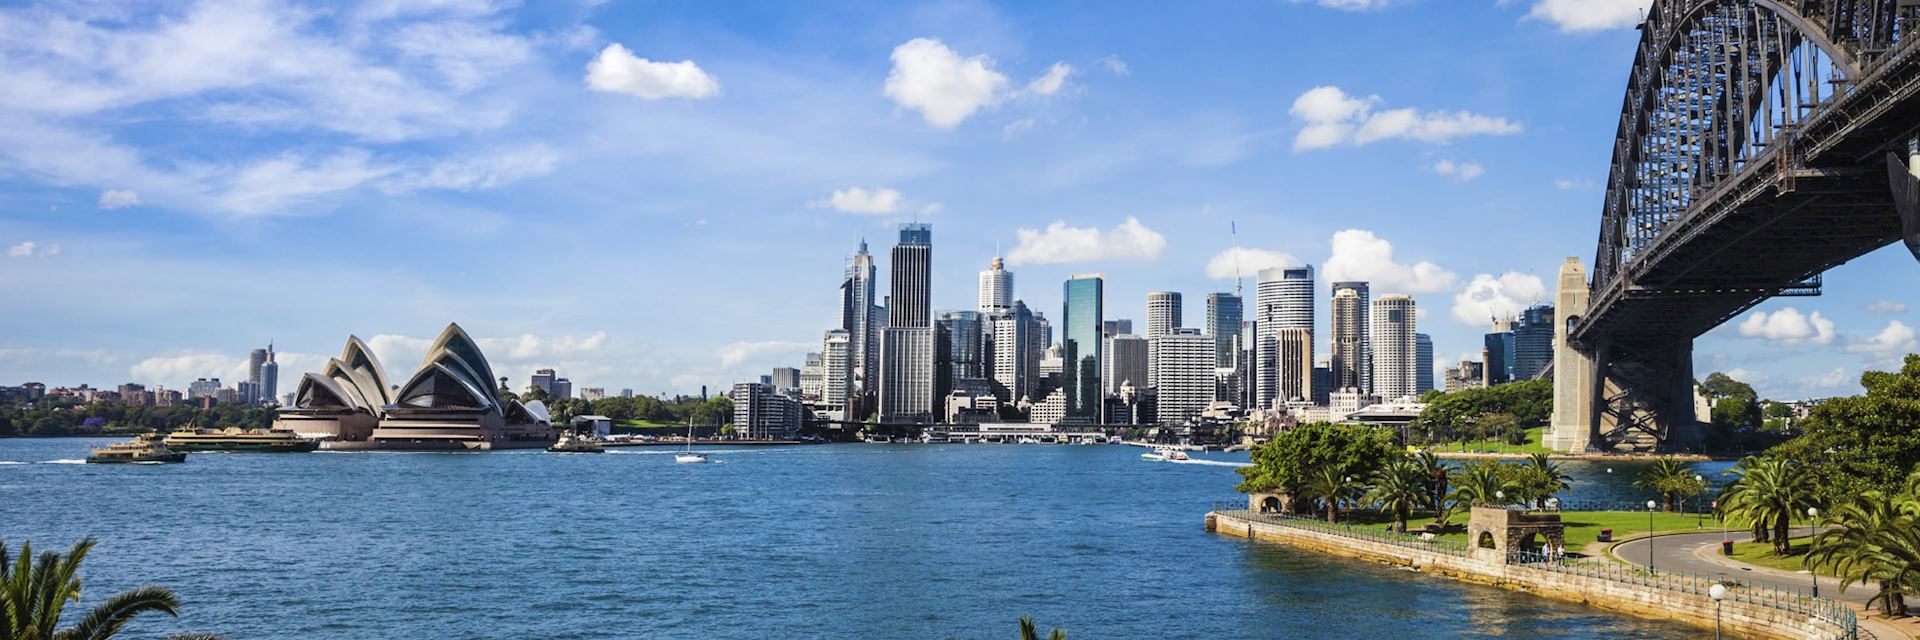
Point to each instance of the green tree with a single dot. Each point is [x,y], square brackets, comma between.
[1875,539]
[1398,488]
[1538,479]
[1332,487]
[1286,462]
[1670,478]
[1862,443]
[1479,483]
[35,590]
[1029,632]
[1768,493]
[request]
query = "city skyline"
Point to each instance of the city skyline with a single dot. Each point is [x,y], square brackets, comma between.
[1122,150]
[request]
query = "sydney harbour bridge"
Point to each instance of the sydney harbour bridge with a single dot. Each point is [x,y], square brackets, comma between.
[1760,143]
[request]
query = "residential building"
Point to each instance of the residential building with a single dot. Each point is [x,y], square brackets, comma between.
[1285,301]
[1184,375]
[1080,322]
[1126,362]
[202,388]
[1349,325]
[996,288]
[593,393]
[1423,363]
[1395,347]
[1050,411]
[811,379]
[762,413]
[836,365]
[256,368]
[906,345]
[786,380]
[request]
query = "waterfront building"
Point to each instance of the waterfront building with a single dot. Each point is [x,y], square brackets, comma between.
[1349,323]
[1126,362]
[1293,365]
[906,345]
[1184,378]
[1051,365]
[860,317]
[959,343]
[1284,301]
[1111,328]
[996,288]
[763,412]
[811,380]
[1395,350]
[1497,353]
[449,403]
[1080,321]
[786,380]
[1016,354]
[343,401]
[171,398]
[1533,342]
[836,364]
[1422,364]
[1466,375]
[543,380]
[135,395]
[1050,411]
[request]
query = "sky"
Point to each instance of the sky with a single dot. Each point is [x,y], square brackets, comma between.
[663,195]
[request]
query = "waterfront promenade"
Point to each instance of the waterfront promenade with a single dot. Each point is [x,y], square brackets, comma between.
[1750,609]
[1699,553]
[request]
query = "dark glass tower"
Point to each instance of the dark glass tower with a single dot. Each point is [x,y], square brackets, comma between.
[1080,321]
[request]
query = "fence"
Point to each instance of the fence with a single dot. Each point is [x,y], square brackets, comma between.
[1830,612]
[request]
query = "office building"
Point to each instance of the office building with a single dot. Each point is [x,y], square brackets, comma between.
[812,377]
[1081,324]
[1322,383]
[836,366]
[593,393]
[1224,315]
[860,317]
[906,345]
[202,388]
[1466,375]
[1184,376]
[1349,325]
[786,380]
[1292,366]
[1533,343]
[1284,301]
[562,388]
[1126,363]
[1423,363]
[1111,328]
[1395,347]
[1163,312]
[996,288]
[543,380]
[1497,354]
[256,368]
[1016,354]
[959,357]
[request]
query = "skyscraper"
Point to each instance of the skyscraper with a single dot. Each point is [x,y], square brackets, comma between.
[256,365]
[269,378]
[1163,312]
[860,319]
[1395,348]
[836,364]
[1284,301]
[1422,363]
[1111,328]
[1497,354]
[1126,362]
[1183,382]
[1533,342]
[906,368]
[957,352]
[1080,323]
[996,288]
[1224,314]
[1349,319]
[1016,353]
[1293,364]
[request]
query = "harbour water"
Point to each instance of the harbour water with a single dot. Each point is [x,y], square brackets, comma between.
[898,541]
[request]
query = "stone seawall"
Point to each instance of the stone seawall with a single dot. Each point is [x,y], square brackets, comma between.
[1737,617]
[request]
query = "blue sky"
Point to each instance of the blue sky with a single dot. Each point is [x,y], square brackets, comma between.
[661,195]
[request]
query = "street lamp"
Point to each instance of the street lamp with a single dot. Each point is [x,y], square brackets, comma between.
[1813,515]
[1650,505]
[1718,593]
[1699,519]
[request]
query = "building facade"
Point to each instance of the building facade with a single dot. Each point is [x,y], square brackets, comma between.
[1284,301]
[1395,347]
[1126,362]
[836,367]
[1184,378]
[906,368]
[860,317]
[996,288]
[1533,343]
[959,351]
[1349,324]
[762,413]
[1081,324]
[1423,363]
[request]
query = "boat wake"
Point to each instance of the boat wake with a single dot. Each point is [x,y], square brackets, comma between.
[66,461]
[7,462]
[1213,463]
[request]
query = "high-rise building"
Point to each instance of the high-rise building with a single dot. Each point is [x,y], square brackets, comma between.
[1349,320]
[762,413]
[959,358]
[543,380]
[906,346]
[562,388]
[996,288]
[1467,375]
[1016,354]
[269,378]
[1184,378]
[1422,363]
[1080,324]
[1163,312]
[593,393]
[256,363]
[1126,363]
[836,365]
[1395,348]
[812,377]
[786,380]
[860,317]
[1533,342]
[1111,328]
[202,388]
[1284,301]
[1224,314]
[1293,365]
[1497,355]
[1322,382]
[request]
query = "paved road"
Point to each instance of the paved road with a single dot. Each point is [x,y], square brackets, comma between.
[1698,553]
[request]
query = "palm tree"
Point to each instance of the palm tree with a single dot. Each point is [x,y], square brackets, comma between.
[1874,541]
[1027,632]
[34,591]
[1769,492]
[1330,486]
[1397,489]
[1669,477]
[1540,478]
[1435,472]
[1480,483]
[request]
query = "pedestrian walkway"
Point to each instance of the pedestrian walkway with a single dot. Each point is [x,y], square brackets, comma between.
[1699,553]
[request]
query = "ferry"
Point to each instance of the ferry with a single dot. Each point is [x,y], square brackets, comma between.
[572,443]
[146,449]
[237,439]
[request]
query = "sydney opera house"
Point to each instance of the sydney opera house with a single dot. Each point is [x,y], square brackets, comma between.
[448,403]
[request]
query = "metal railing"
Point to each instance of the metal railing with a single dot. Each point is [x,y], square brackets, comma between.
[1827,610]
[1373,533]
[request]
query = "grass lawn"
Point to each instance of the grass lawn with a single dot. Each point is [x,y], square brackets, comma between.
[1583,527]
[1760,554]
[1533,444]
[647,424]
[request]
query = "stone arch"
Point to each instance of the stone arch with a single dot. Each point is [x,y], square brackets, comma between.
[1486,540]
[1270,504]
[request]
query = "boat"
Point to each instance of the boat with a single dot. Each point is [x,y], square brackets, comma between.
[1156,455]
[238,439]
[1165,455]
[144,449]
[688,456]
[571,442]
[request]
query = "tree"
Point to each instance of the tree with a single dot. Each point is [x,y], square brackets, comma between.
[1028,632]
[1450,417]
[34,592]
[1397,489]
[1875,540]
[1331,486]
[1286,462]
[1540,478]
[1435,471]
[1769,492]
[1862,443]
[1672,479]
[1480,483]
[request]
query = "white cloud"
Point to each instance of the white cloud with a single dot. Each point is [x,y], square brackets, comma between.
[1051,81]
[1017,127]
[177,370]
[1060,243]
[1250,262]
[1349,5]
[617,70]
[527,346]
[1886,307]
[1359,255]
[475,173]
[1579,16]
[31,249]
[943,86]
[769,351]
[1788,326]
[1488,297]
[118,199]
[872,201]
[1332,117]
[1835,379]
[1896,339]
[1114,64]
[1461,171]
[1572,184]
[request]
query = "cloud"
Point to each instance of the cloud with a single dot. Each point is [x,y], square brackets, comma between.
[1886,307]
[1488,297]
[1788,326]
[1349,5]
[178,370]
[1835,379]
[118,199]
[876,201]
[1060,243]
[1359,255]
[1896,339]
[1051,81]
[475,173]
[617,70]
[30,249]
[1570,184]
[1017,127]
[944,87]
[1114,64]
[1584,16]
[1463,171]
[769,351]
[1332,117]
[1251,261]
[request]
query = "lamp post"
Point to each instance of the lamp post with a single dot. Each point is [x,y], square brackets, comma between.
[1699,519]
[1813,514]
[1650,506]
[1718,593]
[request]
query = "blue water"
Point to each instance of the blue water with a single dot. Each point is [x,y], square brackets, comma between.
[896,541]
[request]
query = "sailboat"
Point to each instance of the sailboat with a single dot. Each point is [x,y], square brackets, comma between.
[688,456]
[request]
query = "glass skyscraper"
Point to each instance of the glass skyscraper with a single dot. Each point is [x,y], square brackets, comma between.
[1080,323]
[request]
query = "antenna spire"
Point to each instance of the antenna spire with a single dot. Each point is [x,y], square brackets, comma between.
[1233,234]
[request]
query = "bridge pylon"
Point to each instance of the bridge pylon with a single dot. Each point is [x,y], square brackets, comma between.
[1614,397]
